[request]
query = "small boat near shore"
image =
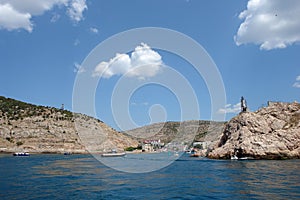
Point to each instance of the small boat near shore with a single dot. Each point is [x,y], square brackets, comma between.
[21,154]
[113,153]
[234,157]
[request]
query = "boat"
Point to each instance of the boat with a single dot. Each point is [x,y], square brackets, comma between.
[187,151]
[67,153]
[234,157]
[113,153]
[21,154]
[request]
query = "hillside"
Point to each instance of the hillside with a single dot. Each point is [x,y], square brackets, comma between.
[31,128]
[187,131]
[272,132]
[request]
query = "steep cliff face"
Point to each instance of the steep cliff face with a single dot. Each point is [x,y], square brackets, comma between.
[26,127]
[272,132]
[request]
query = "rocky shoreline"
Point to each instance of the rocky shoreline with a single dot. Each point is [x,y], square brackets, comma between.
[272,132]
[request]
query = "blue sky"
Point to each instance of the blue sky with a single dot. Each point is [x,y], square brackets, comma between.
[254,44]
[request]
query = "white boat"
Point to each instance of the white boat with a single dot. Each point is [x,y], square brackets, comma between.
[113,153]
[188,151]
[21,154]
[234,157]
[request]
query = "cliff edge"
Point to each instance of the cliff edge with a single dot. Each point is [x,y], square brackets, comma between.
[272,132]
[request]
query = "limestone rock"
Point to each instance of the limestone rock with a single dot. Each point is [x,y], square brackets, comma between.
[272,132]
[39,129]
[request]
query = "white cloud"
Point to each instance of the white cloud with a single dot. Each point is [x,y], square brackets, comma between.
[94,30]
[270,24]
[230,109]
[297,83]
[17,14]
[118,65]
[78,68]
[143,63]
[34,7]
[11,19]
[76,9]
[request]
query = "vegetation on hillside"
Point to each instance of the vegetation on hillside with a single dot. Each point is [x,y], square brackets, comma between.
[11,109]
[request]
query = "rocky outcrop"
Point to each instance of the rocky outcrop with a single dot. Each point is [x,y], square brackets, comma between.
[39,129]
[272,132]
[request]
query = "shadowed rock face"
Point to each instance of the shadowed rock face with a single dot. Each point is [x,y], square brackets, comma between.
[272,132]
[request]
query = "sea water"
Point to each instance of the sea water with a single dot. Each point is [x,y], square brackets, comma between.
[84,177]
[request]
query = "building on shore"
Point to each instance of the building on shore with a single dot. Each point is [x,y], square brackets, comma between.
[151,145]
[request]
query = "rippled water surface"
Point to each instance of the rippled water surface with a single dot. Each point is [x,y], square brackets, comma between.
[84,177]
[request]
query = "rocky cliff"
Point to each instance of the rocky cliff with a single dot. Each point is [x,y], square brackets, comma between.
[272,132]
[31,128]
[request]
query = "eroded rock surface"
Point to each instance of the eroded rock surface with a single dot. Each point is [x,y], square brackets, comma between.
[272,132]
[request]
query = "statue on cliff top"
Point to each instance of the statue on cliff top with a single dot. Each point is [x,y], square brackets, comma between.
[243,104]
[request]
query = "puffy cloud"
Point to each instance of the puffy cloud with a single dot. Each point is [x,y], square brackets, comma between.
[270,24]
[143,63]
[297,83]
[11,19]
[94,30]
[16,14]
[118,65]
[230,109]
[34,7]
[76,9]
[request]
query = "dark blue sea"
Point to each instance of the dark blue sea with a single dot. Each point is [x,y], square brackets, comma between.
[84,177]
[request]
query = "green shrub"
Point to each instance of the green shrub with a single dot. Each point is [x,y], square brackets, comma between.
[130,149]
[19,143]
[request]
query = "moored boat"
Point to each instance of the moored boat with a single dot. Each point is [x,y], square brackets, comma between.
[113,154]
[21,154]
[234,157]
